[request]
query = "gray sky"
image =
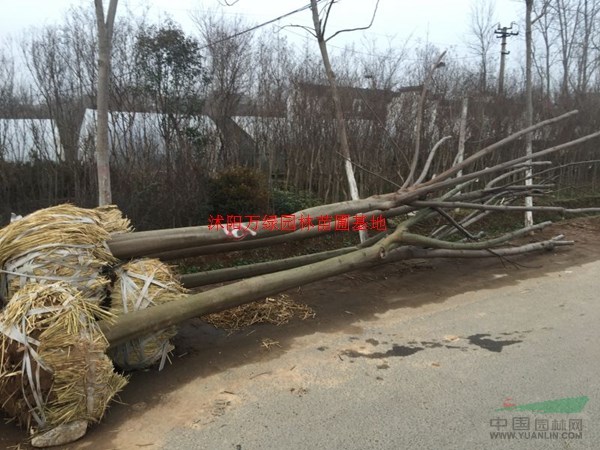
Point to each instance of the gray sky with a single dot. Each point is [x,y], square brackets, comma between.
[441,22]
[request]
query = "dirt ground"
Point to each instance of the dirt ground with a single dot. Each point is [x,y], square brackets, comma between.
[148,407]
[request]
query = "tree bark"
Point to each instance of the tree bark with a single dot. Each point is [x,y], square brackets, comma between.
[194,280]
[462,135]
[528,105]
[105,32]
[162,316]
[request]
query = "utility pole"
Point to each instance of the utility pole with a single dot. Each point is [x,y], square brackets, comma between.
[503,33]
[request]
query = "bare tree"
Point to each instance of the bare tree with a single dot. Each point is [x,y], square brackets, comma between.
[544,54]
[320,26]
[55,70]
[230,69]
[7,98]
[568,18]
[529,22]
[589,11]
[383,66]
[482,37]
[105,33]
[401,243]
[7,80]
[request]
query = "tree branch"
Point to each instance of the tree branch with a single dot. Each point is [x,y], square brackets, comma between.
[194,280]
[419,125]
[423,241]
[139,323]
[457,226]
[430,159]
[542,12]
[481,153]
[415,252]
[353,29]
[434,185]
[310,30]
[479,206]
[326,18]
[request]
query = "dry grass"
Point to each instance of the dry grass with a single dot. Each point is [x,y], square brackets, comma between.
[277,311]
[269,343]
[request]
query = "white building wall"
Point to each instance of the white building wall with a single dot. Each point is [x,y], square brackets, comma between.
[23,140]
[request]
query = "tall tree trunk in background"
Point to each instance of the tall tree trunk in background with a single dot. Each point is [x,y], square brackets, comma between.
[105,32]
[545,29]
[462,133]
[339,113]
[528,103]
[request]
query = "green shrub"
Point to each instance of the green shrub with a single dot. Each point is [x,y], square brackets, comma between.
[288,202]
[239,191]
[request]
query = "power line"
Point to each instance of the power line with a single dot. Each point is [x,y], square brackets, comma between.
[256,27]
[380,55]
[233,36]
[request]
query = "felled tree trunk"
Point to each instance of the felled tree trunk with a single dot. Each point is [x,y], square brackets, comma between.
[192,241]
[439,196]
[149,320]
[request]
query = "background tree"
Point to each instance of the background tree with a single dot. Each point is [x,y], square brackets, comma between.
[481,37]
[320,26]
[61,80]
[105,33]
[544,51]
[230,64]
[587,64]
[8,102]
[172,80]
[529,22]
[172,76]
[568,17]
[7,82]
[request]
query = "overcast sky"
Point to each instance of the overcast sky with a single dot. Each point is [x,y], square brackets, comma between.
[441,22]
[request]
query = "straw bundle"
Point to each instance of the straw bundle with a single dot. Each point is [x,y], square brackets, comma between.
[277,311]
[53,367]
[141,284]
[61,243]
[111,219]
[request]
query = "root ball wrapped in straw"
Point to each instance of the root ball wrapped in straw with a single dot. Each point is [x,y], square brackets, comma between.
[141,284]
[53,366]
[61,243]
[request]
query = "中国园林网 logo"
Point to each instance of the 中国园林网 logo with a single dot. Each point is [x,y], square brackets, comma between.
[532,427]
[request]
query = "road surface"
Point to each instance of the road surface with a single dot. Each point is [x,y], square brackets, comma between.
[431,379]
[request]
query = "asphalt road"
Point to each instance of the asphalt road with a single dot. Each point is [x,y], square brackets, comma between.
[432,377]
